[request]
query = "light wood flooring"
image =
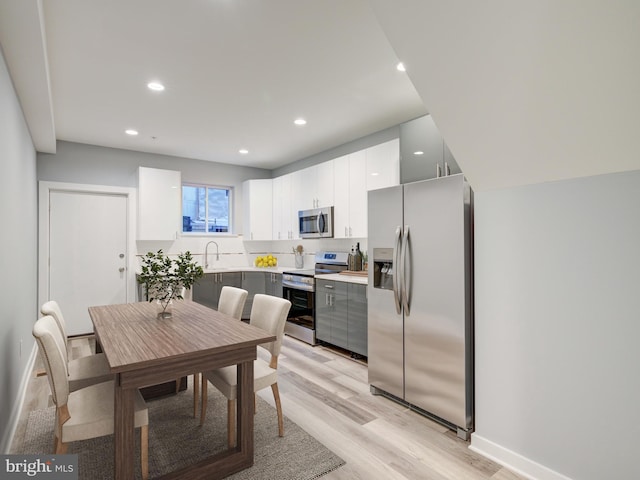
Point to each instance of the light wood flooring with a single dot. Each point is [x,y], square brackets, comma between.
[326,393]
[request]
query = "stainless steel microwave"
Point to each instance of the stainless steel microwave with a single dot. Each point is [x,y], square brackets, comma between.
[316,223]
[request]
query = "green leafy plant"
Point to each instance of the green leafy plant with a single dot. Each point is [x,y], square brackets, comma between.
[164,278]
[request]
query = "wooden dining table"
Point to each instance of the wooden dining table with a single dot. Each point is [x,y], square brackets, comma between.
[143,350]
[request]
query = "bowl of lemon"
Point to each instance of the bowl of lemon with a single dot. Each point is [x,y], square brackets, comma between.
[265,261]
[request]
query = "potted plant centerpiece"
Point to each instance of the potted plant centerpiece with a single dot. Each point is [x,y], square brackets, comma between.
[164,279]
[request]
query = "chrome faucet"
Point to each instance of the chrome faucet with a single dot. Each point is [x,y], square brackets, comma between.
[206,255]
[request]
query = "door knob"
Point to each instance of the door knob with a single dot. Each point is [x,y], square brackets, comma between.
[121,269]
[121,255]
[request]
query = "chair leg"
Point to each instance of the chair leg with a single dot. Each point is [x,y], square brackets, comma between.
[276,397]
[144,451]
[196,393]
[203,403]
[61,448]
[231,423]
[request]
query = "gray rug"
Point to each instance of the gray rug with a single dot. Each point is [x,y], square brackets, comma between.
[176,440]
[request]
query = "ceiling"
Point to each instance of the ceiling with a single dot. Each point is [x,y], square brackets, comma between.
[237,74]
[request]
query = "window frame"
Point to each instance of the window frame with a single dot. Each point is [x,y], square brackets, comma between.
[231,195]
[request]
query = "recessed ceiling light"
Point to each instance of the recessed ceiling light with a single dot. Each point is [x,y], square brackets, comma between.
[419,152]
[155,86]
[131,132]
[300,121]
[243,151]
[374,174]
[401,67]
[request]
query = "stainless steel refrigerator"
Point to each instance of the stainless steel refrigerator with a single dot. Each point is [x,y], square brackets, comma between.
[420,298]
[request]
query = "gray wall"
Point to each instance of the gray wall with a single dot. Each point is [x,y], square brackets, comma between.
[18,253]
[91,164]
[557,324]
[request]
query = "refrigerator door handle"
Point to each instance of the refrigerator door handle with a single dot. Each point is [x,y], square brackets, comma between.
[406,271]
[397,270]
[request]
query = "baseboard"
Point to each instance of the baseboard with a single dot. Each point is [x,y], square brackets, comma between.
[512,460]
[7,439]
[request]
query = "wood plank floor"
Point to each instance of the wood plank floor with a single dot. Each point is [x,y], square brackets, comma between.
[326,393]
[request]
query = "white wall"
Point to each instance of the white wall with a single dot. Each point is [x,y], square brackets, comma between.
[557,324]
[18,254]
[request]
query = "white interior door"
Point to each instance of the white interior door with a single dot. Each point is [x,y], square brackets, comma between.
[87,254]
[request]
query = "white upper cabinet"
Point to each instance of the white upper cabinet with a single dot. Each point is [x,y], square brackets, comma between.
[313,187]
[257,196]
[358,194]
[159,204]
[342,183]
[350,196]
[283,223]
[324,184]
[383,165]
[304,188]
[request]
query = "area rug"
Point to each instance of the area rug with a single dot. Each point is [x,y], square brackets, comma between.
[177,440]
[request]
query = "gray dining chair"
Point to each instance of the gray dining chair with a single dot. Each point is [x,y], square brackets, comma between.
[231,302]
[83,371]
[270,314]
[87,412]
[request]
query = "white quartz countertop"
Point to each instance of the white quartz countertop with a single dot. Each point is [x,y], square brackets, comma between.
[344,278]
[247,269]
[326,276]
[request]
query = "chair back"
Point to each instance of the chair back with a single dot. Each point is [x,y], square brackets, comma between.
[52,308]
[270,314]
[48,337]
[232,301]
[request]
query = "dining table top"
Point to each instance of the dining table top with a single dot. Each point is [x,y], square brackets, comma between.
[133,337]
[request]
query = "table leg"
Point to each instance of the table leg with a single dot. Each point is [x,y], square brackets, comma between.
[245,410]
[124,441]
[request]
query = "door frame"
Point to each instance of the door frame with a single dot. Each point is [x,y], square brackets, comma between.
[45,188]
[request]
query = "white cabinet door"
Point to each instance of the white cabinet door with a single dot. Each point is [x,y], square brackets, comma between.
[303,186]
[159,193]
[324,184]
[358,194]
[257,209]
[341,197]
[383,165]
[282,208]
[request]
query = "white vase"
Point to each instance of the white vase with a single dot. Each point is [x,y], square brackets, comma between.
[299,259]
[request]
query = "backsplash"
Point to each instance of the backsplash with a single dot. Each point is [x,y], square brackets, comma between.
[233,251]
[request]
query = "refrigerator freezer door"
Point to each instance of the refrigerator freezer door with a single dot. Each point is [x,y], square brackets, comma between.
[437,327]
[385,327]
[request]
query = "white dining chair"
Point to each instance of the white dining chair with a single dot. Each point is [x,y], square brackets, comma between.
[87,412]
[230,302]
[83,371]
[270,314]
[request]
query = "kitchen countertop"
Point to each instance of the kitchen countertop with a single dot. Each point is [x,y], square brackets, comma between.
[344,278]
[326,276]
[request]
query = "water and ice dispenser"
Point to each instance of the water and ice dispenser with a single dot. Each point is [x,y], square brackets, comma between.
[383,268]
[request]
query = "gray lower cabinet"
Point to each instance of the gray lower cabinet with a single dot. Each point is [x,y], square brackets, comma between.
[357,300]
[341,315]
[252,282]
[206,290]
[274,284]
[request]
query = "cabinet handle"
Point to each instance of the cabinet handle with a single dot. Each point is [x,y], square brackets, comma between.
[350,232]
[346,232]
[438,172]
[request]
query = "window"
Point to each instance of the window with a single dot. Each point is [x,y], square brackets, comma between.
[206,209]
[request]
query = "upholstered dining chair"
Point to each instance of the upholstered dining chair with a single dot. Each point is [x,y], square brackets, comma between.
[270,314]
[83,371]
[231,302]
[87,412]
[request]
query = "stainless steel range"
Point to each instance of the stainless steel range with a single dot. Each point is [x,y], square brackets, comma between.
[299,286]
